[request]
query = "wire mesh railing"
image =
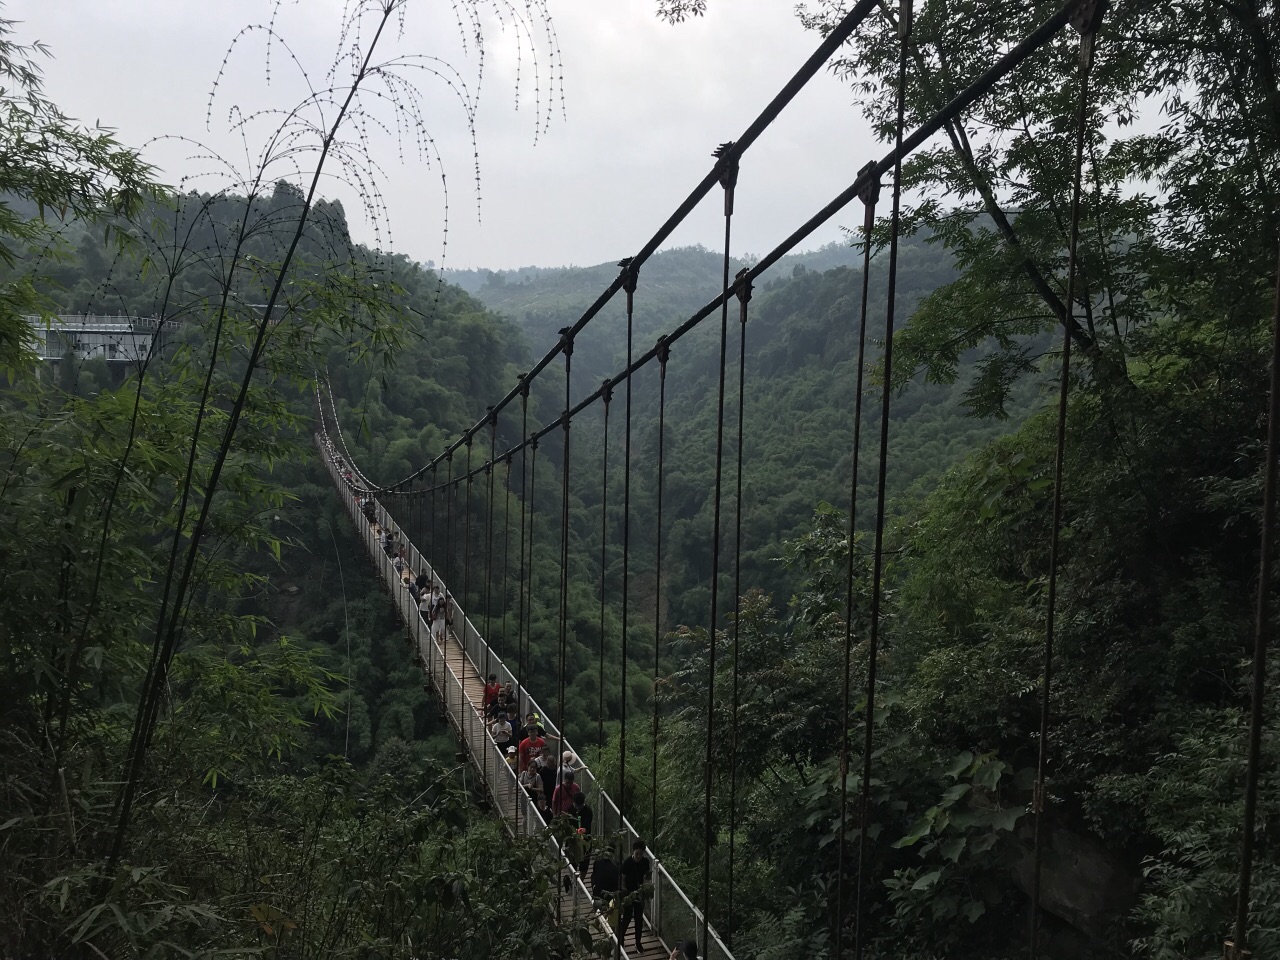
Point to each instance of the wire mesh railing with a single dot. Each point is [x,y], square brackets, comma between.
[668,911]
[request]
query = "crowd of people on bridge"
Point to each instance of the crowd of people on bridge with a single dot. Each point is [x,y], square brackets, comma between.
[549,779]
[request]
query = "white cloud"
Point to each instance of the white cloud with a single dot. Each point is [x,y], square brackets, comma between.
[645,104]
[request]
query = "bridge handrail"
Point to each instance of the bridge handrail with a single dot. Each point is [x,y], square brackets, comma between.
[500,781]
[670,912]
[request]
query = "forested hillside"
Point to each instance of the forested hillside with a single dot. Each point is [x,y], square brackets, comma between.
[214,739]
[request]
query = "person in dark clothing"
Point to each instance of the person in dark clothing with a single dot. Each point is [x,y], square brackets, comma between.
[584,816]
[604,878]
[635,874]
[547,771]
[582,812]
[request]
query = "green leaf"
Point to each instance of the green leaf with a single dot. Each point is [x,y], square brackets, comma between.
[959,764]
[927,880]
[921,828]
[952,849]
[1006,819]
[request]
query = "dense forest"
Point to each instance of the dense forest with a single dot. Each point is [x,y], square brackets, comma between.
[215,741]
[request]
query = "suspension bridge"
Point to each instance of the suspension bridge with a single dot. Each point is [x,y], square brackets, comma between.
[455,665]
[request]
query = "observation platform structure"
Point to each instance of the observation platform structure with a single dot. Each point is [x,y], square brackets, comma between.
[86,336]
[455,670]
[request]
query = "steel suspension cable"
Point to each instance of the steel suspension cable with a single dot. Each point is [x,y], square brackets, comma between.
[1003,66]
[1238,945]
[564,543]
[606,397]
[830,43]
[873,646]
[524,557]
[564,570]
[523,678]
[728,180]
[431,536]
[1086,20]
[448,530]
[506,557]
[663,355]
[488,566]
[525,666]
[744,297]
[629,285]
[466,550]
[869,198]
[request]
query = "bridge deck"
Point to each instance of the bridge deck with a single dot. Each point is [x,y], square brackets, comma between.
[454,671]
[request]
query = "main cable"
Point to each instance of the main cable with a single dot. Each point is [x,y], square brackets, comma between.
[832,42]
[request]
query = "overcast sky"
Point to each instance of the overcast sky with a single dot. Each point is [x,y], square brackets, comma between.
[644,105]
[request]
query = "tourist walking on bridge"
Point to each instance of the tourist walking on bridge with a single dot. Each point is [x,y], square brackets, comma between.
[635,876]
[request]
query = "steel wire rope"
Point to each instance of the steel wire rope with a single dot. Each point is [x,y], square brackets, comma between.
[630,270]
[744,297]
[772,110]
[606,398]
[521,676]
[869,198]
[448,528]
[663,356]
[1006,63]
[1239,942]
[506,563]
[886,395]
[431,544]
[346,629]
[488,562]
[465,603]
[524,557]
[526,667]
[1086,20]
[564,579]
[728,180]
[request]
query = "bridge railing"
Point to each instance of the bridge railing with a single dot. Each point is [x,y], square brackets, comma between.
[669,911]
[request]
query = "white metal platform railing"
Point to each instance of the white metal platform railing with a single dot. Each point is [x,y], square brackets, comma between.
[669,912]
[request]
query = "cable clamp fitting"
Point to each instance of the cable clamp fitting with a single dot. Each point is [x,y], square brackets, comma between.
[663,352]
[906,16]
[629,275]
[727,170]
[869,194]
[743,289]
[1087,18]
[606,391]
[566,340]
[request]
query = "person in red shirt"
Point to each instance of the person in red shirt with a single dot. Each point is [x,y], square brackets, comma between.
[528,747]
[562,799]
[491,691]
